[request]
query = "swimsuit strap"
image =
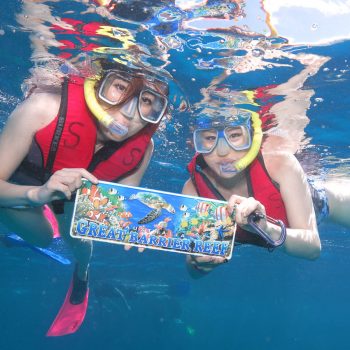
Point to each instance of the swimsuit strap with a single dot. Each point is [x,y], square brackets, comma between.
[59,129]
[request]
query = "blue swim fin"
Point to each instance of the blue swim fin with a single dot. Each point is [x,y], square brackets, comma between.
[14,240]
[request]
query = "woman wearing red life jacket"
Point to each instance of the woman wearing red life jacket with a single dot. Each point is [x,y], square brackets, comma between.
[98,128]
[229,165]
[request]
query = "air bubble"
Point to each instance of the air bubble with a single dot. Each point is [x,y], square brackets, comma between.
[319,99]
[314,26]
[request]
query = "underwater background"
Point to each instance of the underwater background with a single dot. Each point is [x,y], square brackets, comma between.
[260,299]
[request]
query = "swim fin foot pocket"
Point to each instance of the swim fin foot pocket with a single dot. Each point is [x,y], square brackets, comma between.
[79,289]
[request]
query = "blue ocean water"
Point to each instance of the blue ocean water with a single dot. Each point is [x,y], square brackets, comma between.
[260,300]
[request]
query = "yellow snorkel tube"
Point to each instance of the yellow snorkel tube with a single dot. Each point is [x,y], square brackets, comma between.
[90,97]
[256,143]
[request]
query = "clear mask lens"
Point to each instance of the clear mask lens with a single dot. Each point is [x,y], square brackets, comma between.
[237,137]
[152,106]
[116,88]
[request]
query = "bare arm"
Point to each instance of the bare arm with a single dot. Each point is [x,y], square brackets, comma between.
[302,236]
[15,141]
[189,188]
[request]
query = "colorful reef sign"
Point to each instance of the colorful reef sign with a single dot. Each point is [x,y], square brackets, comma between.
[115,213]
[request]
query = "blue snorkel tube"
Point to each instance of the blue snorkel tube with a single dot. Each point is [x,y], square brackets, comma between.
[253,218]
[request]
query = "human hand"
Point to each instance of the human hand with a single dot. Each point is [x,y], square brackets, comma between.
[127,247]
[62,184]
[204,264]
[241,207]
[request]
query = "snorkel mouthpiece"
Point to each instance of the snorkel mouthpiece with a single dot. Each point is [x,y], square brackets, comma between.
[228,168]
[117,128]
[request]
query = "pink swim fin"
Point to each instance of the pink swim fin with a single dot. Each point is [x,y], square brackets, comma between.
[51,218]
[70,317]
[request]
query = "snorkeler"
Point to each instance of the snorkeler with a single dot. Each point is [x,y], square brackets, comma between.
[98,128]
[230,166]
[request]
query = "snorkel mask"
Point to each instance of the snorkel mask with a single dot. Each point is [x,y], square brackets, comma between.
[240,132]
[131,91]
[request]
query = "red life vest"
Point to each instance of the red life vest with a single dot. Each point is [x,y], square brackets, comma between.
[69,142]
[260,186]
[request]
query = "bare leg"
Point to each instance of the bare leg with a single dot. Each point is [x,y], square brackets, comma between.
[29,223]
[81,248]
[338,193]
